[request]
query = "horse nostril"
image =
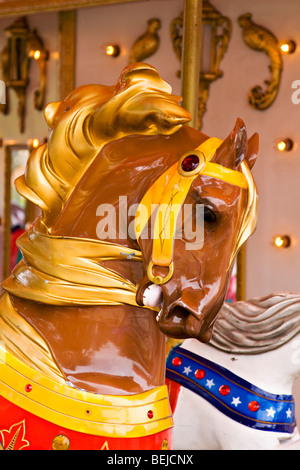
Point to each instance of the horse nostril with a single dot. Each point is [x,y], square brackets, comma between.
[177,314]
[182,320]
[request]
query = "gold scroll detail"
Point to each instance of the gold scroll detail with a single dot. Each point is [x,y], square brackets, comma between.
[146,44]
[219,29]
[261,39]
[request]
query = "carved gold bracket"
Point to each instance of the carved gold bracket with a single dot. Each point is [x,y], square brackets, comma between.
[22,46]
[216,36]
[261,39]
[146,44]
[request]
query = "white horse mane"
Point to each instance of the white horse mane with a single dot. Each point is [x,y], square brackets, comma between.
[258,325]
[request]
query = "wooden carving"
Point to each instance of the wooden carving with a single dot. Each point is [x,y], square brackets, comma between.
[261,39]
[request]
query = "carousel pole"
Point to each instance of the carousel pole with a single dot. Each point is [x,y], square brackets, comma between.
[191,57]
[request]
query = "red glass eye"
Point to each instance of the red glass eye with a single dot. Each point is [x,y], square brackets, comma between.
[190,163]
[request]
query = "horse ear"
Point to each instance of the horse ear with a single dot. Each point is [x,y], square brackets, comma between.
[252,150]
[232,151]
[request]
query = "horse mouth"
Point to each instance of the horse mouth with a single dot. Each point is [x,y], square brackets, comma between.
[181,323]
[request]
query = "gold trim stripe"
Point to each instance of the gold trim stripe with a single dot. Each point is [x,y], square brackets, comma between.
[97,414]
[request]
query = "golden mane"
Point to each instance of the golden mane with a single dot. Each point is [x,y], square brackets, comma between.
[90,117]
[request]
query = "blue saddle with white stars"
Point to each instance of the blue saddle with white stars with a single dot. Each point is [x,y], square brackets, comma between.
[232,395]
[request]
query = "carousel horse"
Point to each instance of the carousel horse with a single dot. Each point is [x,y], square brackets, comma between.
[235,393]
[105,274]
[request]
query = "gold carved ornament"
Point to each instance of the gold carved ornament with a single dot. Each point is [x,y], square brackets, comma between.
[146,44]
[217,30]
[22,46]
[261,39]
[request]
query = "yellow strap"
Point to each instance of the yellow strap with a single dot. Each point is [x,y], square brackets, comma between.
[169,193]
[225,174]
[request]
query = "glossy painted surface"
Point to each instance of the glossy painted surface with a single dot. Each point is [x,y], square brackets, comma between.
[130,416]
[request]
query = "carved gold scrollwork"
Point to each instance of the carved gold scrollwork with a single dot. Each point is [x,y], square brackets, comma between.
[261,39]
[146,44]
[176,36]
[216,36]
[22,46]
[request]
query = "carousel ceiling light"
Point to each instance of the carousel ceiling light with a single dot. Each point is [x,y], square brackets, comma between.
[112,50]
[33,143]
[285,145]
[288,47]
[35,54]
[282,241]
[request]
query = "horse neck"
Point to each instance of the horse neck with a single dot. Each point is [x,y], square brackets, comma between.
[274,371]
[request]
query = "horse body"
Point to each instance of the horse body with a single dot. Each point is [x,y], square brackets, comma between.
[273,365]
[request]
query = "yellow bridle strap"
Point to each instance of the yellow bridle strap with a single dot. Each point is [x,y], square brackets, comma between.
[169,193]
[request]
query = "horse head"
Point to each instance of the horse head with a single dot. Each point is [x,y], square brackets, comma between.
[131,140]
[193,296]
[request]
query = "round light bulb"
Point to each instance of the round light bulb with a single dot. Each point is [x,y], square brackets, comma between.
[37,54]
[112,50]
[285,48]
[34,143]
[285,145]
[288,47]
[281,145]
[282,241]
[278,242]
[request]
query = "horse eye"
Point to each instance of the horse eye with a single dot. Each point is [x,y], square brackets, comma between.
[209,216]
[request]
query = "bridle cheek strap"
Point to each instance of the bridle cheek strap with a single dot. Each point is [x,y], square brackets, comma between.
[167,195]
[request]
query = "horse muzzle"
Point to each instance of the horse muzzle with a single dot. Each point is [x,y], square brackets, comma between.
[180,322]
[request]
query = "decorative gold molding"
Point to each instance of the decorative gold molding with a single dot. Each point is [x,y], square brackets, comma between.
[29,7]
[146,44]
[67,52]
[261,39]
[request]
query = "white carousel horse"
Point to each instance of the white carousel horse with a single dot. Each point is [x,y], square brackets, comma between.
[244,377]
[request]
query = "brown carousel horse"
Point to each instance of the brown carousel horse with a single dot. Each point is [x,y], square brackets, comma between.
[83,346]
